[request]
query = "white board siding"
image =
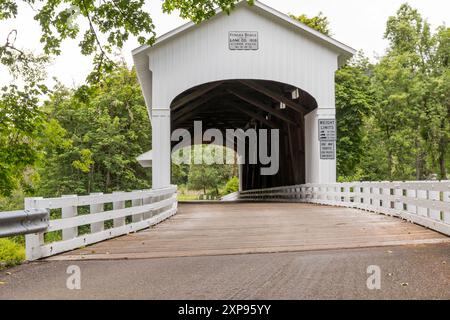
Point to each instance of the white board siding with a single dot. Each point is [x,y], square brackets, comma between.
[201,55]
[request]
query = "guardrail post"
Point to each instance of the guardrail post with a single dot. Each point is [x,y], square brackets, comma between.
[137,203]
[69,212]
[120,222]
[97,208]
[33,242]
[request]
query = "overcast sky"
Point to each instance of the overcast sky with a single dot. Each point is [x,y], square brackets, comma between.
[357,23]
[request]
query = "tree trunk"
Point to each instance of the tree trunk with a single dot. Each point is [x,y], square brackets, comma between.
[442,152]
[108,180]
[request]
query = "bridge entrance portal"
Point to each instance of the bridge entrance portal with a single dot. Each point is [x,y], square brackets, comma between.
[272,112]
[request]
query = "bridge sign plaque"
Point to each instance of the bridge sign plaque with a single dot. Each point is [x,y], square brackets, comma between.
[327,150]
[327,129]
[243,40]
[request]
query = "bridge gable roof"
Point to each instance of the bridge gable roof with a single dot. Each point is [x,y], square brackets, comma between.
[344,51]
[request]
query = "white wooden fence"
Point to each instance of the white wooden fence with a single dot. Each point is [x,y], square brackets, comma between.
[426,203]
[129,212]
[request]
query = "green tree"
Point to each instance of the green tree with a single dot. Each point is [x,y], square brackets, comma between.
[407,112]
[353,102]
[232,185]
[206,177]
[99,130]
[319,22]
[440,132]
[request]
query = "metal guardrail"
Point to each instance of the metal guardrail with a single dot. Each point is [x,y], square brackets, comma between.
[14,223]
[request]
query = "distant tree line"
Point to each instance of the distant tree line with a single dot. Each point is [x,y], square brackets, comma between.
[394,115]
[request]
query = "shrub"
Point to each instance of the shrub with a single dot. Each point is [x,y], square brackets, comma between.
[11,253]
[232,186]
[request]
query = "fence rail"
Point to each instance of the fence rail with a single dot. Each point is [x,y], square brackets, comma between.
[426,203]
[99,216]
[230,197]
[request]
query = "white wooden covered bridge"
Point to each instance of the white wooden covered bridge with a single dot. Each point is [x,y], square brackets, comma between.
[254,68]
[197,72]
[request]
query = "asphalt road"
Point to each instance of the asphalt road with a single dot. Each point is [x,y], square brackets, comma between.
[407,272]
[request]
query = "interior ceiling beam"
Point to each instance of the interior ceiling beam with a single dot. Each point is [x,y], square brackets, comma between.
[194,95]
[251,100]
[187,117]
[255,116]
[276,96]
[195,105]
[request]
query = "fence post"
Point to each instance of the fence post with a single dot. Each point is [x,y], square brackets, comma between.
[118,205]
[69,212]
[363,199]
[337,194]
[148,199]
[356,195]
[422,194]
[96,208]
[376,191]
[398,192]
[33,242]
[447,213]
[346,192]
[411,193]
[435,195]
[386,202]
[137,203]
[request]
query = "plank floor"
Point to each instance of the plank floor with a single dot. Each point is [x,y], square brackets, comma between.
[245,228]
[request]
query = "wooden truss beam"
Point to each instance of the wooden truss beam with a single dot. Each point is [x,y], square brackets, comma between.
[255,116]
[276,96]
[194,95]
[251,100]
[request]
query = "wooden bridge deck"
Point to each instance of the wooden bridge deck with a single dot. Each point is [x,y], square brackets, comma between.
[245,228]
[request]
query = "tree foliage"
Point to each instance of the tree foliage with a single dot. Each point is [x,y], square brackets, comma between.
[410,116]
[353,103]
[319,22]
[94,135]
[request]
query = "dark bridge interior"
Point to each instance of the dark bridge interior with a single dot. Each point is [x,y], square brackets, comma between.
[257,104]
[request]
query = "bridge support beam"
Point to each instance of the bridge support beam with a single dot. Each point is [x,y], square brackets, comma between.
[161,148]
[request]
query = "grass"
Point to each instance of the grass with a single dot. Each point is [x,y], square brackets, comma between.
[187,197]
[11,253]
